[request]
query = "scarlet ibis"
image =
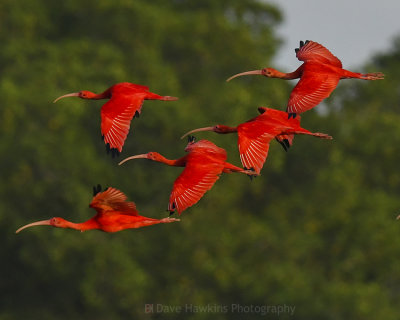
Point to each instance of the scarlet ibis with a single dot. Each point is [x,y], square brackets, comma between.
[114,214]
[126,100]
[319,75]
[255,135]
[203,165]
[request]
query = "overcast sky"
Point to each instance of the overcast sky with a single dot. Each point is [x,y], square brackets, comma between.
[353,30]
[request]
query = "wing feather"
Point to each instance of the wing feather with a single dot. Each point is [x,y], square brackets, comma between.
[311,90]
[253,139]
[194,181]
[112,200]
[116,117]
[313,51]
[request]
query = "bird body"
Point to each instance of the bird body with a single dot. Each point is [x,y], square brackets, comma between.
[255,135]
[114,214]
[125,102]
[203,164]
[319,76]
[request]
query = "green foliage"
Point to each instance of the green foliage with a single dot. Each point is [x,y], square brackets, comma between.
[316,231]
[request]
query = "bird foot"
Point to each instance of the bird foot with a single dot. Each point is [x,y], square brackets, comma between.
[323,135]
[251,173]
[373,76]
[168,219]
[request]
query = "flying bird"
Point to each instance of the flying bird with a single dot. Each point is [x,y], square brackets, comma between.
[203,164]
[114,214]
[319,75]
[255,135]
[125,102]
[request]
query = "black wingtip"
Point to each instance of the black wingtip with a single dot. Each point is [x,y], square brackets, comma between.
[261,110]
[292,115]
[137,114]
[114,152]
[97,189]
[191,138]
[282,144]
[171,209]
[286,142]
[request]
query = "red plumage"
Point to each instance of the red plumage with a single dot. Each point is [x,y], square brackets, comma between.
[125,102]
[203,164]
[319,76]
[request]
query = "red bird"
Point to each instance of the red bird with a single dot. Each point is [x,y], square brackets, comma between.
[125,102]
[255,135]
[114,214]
[319,75]
[203,165]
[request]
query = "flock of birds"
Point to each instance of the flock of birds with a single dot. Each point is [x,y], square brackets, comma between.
[205,162]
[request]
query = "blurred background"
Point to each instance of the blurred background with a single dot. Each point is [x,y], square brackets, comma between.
[316,232]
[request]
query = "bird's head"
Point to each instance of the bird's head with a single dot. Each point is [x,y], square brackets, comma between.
[58,222]
[83,94]
[269,72]
[55,222]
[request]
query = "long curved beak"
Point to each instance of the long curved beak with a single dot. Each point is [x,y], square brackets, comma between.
[198,130]
[33,224]
[74,94]
[247,73]
[139,156]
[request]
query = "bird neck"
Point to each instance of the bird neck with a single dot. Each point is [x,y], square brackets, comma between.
[83,226]
[175,163]
[224,129]
[287,76]
[98,96]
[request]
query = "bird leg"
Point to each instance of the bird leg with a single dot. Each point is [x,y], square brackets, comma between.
[229,168]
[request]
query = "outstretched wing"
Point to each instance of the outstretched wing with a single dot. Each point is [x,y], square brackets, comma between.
[112,200]
[196,179]
[313,51]
[116,116]
[312,88]
[253,139]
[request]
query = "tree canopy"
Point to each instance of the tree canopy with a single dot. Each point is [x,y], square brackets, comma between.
[316,231]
